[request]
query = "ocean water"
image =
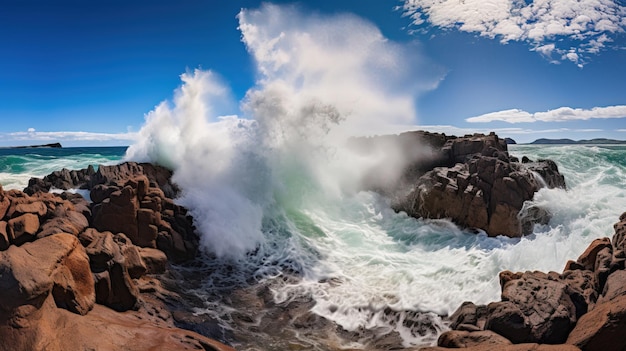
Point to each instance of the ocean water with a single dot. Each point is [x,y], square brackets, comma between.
[364,266]
[17,166]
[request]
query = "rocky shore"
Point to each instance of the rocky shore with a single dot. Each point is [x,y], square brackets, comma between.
[76,275]
[96,274]
[583,307]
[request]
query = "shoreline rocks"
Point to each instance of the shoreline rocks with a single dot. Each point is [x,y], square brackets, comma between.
[76,275]
[584,307]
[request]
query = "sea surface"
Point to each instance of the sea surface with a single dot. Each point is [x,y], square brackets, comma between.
[362,265]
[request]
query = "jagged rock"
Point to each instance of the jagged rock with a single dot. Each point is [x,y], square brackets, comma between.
[615,287]
[468,316]
[462,339]
[515,347]
[535,307]
[154,260]
[23,228]
[113,281]
[619,244]
[103,329]
[484,189]
[56,265]
[602,328]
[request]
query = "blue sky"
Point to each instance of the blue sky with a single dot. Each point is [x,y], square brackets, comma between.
[87,72]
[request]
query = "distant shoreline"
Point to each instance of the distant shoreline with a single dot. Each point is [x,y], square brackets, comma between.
[51,146]
[597,141]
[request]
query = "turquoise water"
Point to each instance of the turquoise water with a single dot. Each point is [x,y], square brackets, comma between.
[17,166]
[292,217]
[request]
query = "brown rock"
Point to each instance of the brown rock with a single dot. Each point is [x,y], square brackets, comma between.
[516,347]
[118,214]
[602,328]
[23,228]
[615,287]
[37,207]
[56,264]
[535,308]
[102,329]
[619,244]
[155,260]
[5,202]
[588,258]
[113,282]
[4,236]
[461,339]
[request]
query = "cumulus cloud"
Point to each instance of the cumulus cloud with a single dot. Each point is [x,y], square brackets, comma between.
[561,114]
[564,27]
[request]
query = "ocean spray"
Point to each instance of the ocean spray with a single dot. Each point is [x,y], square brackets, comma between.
[277,193]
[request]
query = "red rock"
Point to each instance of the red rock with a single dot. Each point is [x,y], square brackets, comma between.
[588,258]
[4,236]
[462,339]
[534,308]
[37,207]
[615,287]
[23,228]
[602,328]
[4,205]
[102,329]
[56,265]
[516,347]
[155,260]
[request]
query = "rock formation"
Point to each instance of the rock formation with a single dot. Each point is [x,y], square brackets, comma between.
[476,184]
[584,307]
[69,267]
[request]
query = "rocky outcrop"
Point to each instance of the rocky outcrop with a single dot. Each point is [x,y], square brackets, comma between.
[584,307]
[68,267]
[481,186]
[130,198]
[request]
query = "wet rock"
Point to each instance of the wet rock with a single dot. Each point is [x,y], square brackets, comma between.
[484,189]
[602,328]
[462,339]
[536,307]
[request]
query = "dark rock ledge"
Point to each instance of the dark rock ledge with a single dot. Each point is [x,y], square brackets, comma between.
[76,275]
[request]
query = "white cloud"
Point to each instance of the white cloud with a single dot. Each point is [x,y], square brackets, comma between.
[587,25]
[561,114]
[32,135]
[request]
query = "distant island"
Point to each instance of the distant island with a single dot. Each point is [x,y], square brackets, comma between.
[597,141]
[53,145]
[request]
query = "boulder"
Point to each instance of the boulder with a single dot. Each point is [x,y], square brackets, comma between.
[23,228]
[516,347]
[56,265]
[113,281]
[102,329]
[615,287]
[462,339]
[602,328]
[536,307]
